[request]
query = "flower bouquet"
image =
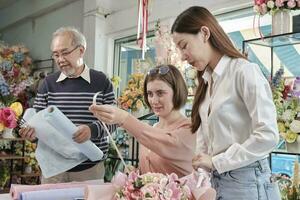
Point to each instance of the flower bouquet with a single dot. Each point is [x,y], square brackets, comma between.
[289,187]
[9,116]
[132,96]
[152,186]
[15,67]
[272,6]
[163,187]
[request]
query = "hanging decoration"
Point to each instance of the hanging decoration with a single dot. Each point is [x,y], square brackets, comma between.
[142,30]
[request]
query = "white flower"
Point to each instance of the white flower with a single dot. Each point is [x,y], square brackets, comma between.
[295,126]
[191,74]
[287,115]
[270,4]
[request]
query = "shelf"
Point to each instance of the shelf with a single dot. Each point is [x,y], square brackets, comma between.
[30,175]
[11,157]
[284,152]
[13,139]
[6,190]
[277,40]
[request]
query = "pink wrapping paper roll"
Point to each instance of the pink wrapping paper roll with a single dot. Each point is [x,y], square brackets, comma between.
[100,192]
[16,189]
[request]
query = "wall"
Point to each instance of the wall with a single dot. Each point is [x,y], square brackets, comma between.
[36,33]
[26,22]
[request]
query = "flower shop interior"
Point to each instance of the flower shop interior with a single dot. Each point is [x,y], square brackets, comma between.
[126,38]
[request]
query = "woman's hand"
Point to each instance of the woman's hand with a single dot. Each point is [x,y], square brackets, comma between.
[109,114]
[202,161]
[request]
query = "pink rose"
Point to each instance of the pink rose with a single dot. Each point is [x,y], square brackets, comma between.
[119,179]
[279,3]
[291,3]
[8,117]
[259,2]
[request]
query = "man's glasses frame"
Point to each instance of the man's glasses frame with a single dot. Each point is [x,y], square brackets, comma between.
[64,54]
[162,70]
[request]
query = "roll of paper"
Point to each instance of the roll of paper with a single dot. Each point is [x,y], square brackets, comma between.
[58,194]
[65,126]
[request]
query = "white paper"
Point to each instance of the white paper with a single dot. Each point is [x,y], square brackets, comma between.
[56,151]
[54,194]
[65,126]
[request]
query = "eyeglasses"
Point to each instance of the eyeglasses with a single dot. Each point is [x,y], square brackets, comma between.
[55,56]
[159,70]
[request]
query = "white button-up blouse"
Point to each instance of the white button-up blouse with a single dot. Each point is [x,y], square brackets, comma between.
[238,116]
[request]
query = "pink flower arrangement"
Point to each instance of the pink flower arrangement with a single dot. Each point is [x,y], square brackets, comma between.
[151,186]
[10,115]
[271,6]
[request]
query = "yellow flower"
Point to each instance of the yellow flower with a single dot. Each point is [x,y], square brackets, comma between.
[17,108]
[129,103]
[139,104]
[290,136]
[281,127]
[2,126]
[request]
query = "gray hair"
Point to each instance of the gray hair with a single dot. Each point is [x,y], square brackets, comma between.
[77,37]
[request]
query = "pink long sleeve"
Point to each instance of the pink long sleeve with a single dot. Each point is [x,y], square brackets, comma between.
[164,150]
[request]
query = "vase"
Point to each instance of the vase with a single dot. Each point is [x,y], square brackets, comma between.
[281,22]
[293,147]
[8,133]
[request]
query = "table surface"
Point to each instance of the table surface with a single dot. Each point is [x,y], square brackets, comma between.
[5,197]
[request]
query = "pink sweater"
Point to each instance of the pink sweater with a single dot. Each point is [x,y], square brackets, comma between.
[164,150]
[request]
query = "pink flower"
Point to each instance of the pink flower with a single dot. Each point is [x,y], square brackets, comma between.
[259,2]
[279,3]
[119,179]
[8,117]
[291,3]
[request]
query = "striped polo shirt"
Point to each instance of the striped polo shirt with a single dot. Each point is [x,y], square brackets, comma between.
[73,96]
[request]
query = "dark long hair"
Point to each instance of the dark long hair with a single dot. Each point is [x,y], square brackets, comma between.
[190,21]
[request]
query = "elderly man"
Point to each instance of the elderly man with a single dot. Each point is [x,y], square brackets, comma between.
[71,90]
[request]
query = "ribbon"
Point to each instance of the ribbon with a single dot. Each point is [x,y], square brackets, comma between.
[110,136]
[258,26]
[142,25]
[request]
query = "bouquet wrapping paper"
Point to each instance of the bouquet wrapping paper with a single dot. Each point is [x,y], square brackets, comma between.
[56,151]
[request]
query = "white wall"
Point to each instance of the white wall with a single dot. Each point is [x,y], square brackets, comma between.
[34,29]
[36,33]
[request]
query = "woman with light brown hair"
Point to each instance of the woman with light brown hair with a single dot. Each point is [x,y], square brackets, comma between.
[168,146]
[233,113]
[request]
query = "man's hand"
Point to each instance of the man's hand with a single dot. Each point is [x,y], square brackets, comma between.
[82,134]
[27,133]
[202,161]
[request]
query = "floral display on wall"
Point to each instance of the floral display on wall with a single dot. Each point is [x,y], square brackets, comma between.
[287,107]
[290,186]
[15,67]
[263,7]
[132,97]
[168,53]
[15,96]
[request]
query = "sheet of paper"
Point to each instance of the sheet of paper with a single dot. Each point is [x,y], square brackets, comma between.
[56,151]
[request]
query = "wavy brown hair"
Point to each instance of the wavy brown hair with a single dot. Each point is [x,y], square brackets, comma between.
[190,21]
